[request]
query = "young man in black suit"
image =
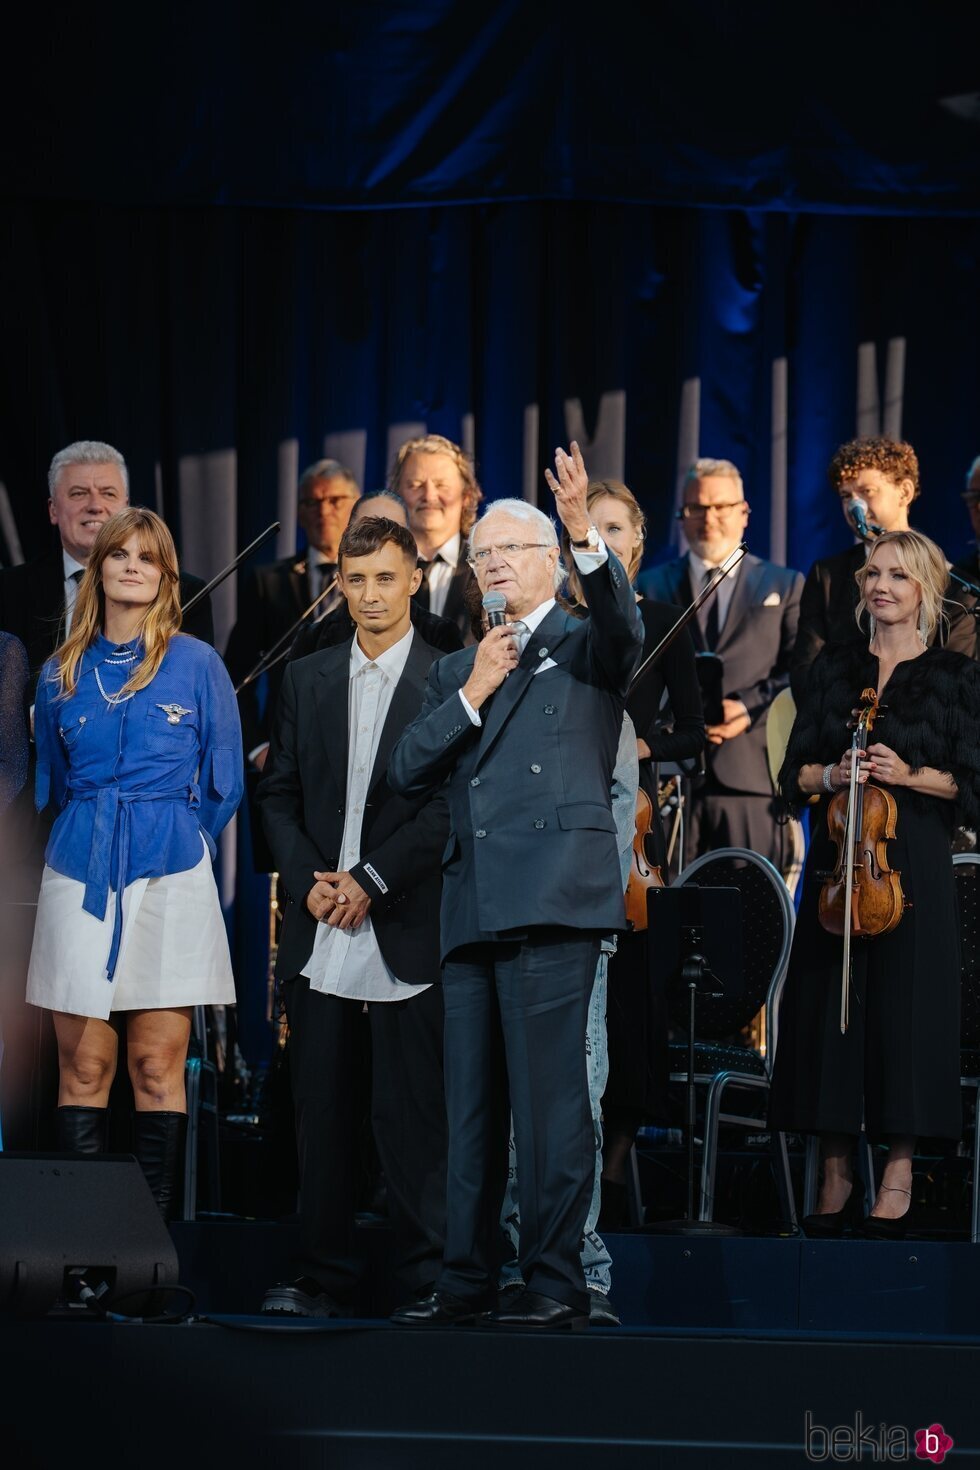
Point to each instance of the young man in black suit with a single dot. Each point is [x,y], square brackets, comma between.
[360,867]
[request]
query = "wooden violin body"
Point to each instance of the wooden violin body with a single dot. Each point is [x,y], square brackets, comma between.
[644,875]
[877,900]
[860,821]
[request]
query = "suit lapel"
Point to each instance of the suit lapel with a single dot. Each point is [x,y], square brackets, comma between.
[331,693]
[405,705]
[299,587]
[683,595]
[747,582]
[543,643]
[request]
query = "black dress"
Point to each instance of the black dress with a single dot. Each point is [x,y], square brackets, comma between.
[898,1064]
[636,1016]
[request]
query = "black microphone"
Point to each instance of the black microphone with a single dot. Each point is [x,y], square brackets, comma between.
[856,511]
[495,607]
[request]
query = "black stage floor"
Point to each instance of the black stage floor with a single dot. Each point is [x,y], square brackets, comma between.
[733,1353]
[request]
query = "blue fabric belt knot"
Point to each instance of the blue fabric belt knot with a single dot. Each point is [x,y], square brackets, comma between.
[112,806]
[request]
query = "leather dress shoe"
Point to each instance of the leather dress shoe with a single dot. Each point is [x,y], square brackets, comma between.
[602,1313]
[531,1309]
[439,1309]
[303,1297]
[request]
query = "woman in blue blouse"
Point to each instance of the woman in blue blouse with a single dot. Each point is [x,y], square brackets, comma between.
[139,752]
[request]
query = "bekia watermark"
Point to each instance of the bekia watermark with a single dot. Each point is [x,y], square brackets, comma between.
[878,1443]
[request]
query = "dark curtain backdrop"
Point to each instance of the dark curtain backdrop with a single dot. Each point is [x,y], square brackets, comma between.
[219,349]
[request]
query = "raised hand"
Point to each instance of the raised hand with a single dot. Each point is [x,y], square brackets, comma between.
[570,490]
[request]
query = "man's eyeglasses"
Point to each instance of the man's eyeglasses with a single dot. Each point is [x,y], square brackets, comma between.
[699,512]
[509,549]
[334,501]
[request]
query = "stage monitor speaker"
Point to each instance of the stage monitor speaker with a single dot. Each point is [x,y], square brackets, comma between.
[71,1218]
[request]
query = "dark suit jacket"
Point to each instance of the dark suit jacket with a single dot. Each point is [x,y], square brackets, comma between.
[455,608]
[533,839]
[338,627]
[302,797]
[32,602]
[830,599]
[755,645]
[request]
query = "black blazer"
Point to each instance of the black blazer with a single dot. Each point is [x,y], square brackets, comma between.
[32,604]
[302,797]
[829,602]
[455,608]
[755,646]
[533,838]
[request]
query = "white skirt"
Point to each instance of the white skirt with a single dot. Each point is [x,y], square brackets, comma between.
[173,951]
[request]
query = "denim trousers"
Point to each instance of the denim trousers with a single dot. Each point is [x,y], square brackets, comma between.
[596,1261]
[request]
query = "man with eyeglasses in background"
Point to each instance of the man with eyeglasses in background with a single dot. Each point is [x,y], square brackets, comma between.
[272,597]
[750,624]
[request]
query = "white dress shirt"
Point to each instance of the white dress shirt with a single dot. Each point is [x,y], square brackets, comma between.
[442,565]
[71,586]
[698,570]
[349,962]
[586,562]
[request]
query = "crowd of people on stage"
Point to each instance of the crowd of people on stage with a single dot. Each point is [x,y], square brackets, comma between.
[443,767]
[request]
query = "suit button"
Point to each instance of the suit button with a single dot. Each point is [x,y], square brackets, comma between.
[551,709]
[475,781]
[480,832]
[540,823]
[536,769]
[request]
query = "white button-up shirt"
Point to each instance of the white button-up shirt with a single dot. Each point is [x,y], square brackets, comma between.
[698,570]
[71,586]
[442,567]
[349,962]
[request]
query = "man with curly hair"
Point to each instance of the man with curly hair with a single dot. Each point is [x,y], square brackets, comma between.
[883,474]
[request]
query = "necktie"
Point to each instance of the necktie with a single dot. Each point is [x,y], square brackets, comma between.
[712,624]
[77,576]
[326,570]
[69,611]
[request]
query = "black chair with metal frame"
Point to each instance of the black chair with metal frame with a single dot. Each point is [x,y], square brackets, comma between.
[768,920]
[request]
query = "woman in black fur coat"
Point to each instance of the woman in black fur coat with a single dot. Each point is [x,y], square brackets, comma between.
[897,1067]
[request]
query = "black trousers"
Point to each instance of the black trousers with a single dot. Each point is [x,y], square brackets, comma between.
[516,1013]
[408,1114]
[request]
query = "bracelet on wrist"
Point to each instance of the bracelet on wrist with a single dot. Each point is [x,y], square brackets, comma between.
[828,784]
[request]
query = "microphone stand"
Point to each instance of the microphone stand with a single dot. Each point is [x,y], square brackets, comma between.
[967,586]
[281,647]
[231,567]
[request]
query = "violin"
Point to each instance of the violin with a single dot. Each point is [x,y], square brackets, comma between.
[863,896]
[644,875]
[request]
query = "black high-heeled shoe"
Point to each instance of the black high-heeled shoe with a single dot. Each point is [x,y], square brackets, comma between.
[830,1226]
[877,1227]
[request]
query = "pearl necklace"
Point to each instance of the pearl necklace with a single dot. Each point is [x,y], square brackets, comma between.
[113,699]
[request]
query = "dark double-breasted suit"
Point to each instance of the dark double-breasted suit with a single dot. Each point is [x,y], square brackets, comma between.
[531,880]
[303,800]
[755,644]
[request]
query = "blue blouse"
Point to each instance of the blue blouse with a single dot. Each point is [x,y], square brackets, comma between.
[137,782]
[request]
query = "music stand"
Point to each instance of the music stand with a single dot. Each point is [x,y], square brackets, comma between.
[695,939]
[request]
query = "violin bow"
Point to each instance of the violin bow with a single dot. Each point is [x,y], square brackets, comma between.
[864,722]
[728,565]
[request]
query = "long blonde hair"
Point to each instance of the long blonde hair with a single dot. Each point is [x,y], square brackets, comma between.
[162,618]
[616,490]
[924,563]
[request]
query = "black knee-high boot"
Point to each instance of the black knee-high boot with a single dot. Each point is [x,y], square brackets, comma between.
[159,1147]
[82,1130]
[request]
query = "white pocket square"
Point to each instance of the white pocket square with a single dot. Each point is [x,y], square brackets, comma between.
[548,663]
[772,600]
